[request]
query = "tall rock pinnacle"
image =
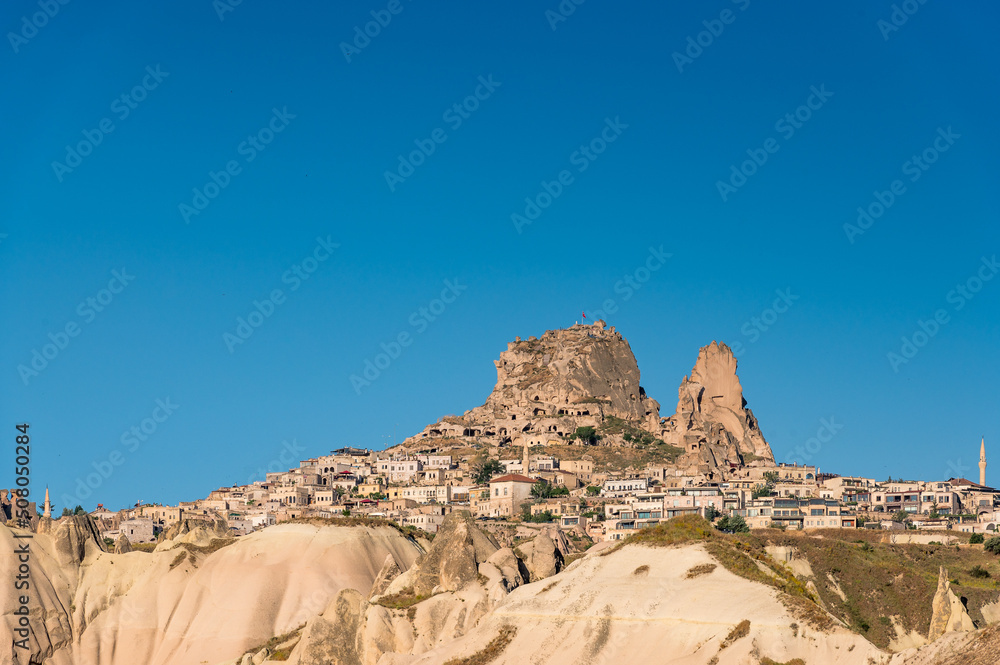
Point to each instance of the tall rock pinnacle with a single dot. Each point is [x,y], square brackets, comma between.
[712,420]
[587,376]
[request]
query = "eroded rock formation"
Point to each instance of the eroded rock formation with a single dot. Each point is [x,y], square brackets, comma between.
[948,614]
[548,386]
[582,376]
[712,422]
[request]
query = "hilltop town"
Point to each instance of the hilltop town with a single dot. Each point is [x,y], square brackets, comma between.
[565,518]
[569,439]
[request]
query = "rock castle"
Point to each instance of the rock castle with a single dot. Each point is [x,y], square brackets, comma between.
[587,376]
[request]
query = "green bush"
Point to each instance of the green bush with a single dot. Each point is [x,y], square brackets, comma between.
[484,471]
[992,545]
[979,572]
[976,539]
[733,524]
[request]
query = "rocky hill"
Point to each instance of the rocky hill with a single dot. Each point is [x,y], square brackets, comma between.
[587,376]
[329,592]
[712,420]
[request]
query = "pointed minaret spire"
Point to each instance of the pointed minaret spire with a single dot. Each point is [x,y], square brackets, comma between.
[982,462]
[47,510]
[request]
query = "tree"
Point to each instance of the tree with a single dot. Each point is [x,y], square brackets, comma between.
[992,545]
[586,434]
[483,472]
[976,539]
[901,516]
[543,490]
[711,513]
[346,512]
[767,488]
[544,516]
[732,524]
[593,490]
[540,490]
[66,512]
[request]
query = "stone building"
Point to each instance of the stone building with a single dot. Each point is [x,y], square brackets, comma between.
[138,530]
[508,493]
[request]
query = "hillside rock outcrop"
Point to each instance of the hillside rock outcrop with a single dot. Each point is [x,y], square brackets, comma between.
[548,386]
[712,424]
[948,613]
[74,537]
[191,604]
[587,376]
[639,605]
[542,556]
[453,560]
[196,530]
[122,545]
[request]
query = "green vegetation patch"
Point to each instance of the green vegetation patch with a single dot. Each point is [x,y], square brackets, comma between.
[882,579]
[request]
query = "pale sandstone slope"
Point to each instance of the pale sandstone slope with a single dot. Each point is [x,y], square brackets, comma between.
[609,609]
[182,606]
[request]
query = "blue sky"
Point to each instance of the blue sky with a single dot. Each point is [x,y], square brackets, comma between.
[630,139]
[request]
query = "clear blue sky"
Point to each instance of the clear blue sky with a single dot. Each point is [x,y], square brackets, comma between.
[547,98]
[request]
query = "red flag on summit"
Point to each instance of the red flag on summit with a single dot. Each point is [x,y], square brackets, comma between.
[584,314]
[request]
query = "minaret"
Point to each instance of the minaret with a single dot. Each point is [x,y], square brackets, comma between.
[47,510]
[982,462]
